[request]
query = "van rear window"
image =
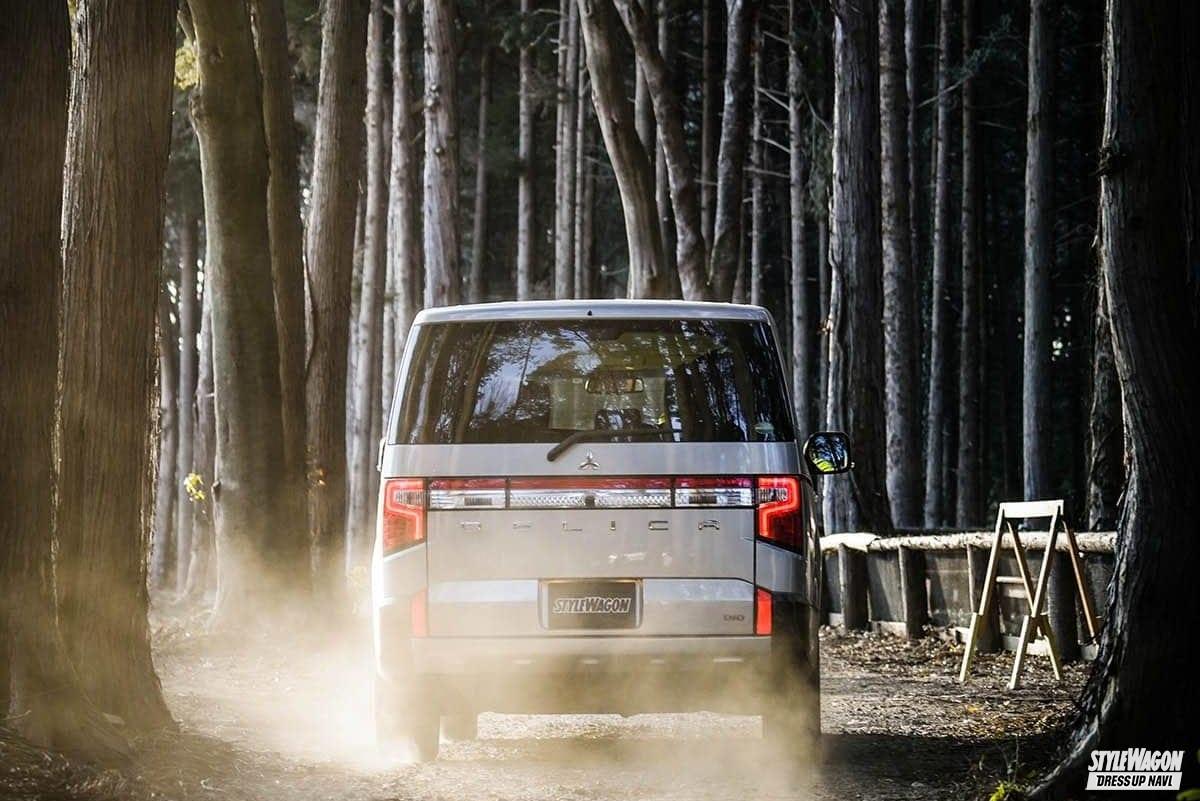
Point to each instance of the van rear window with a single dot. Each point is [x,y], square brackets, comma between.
[516,381]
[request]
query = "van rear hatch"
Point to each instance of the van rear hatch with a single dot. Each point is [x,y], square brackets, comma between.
[595,475]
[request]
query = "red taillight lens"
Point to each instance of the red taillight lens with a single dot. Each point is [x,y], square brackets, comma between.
[418,607]
[762,612]
[779,519]
[403,513]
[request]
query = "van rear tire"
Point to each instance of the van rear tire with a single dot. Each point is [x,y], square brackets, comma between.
[461,727]
[404,725]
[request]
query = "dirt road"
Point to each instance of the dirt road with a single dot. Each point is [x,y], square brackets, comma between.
[278,723]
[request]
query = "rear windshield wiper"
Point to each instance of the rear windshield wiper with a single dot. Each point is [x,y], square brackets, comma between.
[601,434]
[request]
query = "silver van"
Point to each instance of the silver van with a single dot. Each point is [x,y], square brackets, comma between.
[595,506]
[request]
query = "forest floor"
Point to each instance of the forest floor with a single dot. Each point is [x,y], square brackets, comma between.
[270,721]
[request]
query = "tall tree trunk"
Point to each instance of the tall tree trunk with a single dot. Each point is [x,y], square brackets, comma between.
[185,417]
[731,156]
[1039,249]
[564,206]
[935,423]
[331,221]
[585,189]
[1143,691]
[643,110]
[758,200]
[527,178]
[112,252]
[970,462]
[367,341]
[630,162]
[41,697]
[227,112]
[662,184]
[824,286]
[200,491]
[856,382]
[918,190]
[475,288]
[287,273]
[443,278]
[163,553]
[708,119]
[1106,451]
[404,272]
[900,313]
[802,369]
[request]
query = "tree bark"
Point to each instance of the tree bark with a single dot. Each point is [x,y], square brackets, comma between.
[527,178]
[227,111]
[200,493]
[662,183]
[443,278]
[475,288]
[1142,692]
[367,336]
[900,312]
[112,252]
[708,119]
[585,189]
[186,396]
[163,545]
[970,462]
[935,422]
[564,207]
[802,348]
[41,698]
[287,272]
[758,209]
[1106,440]
[631,164]
[731,155]
[336,166]
[1039,252]
[404,273]
[856,382]
[918,190]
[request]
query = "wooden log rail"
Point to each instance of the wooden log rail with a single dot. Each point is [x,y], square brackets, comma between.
[896,584]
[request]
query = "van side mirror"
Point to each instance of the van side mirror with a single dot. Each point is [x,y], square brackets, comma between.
[828,453]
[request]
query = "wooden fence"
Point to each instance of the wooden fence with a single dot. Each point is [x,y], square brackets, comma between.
[931,583]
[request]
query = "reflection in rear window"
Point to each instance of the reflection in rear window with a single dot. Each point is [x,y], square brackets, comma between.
[513,381]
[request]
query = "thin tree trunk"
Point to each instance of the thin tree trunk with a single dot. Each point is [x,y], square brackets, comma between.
[163,544]
[758,211]
[475,288]
[1039,252]
[185,417]
[527,178]
[643,109]
[662,184]
[227,112]
[708,120]
[336,165]
[200,491]
[824,286]
[731,156]
[631,164]
[970,463]
[856,383]
[40,697]
[802,348]
[443,278]
[1142,692]
[1106,451]
[112,251]
[935,422]
[404,273]
[900,313]
[918,190]
[287,273]
[367,342]
[585,189]
[564,206]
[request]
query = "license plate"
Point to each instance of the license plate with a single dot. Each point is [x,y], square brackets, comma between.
[600,604]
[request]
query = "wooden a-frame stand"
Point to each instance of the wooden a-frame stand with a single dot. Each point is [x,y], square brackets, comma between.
[1035,619]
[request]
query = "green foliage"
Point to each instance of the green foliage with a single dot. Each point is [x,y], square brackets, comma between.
[1007,791]
[187,69]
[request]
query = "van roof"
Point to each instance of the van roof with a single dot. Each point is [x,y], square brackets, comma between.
[574,309]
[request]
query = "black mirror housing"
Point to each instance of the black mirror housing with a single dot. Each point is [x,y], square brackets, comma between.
[828,453]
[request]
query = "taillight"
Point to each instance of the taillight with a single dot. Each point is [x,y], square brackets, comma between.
[762,611]
[468,493]
[586,493]
[714,491]
[778,516]
[403,513]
